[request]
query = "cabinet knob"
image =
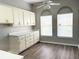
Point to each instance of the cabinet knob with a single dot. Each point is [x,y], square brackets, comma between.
[7,20]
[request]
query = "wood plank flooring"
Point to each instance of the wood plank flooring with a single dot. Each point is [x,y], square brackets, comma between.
[51,51]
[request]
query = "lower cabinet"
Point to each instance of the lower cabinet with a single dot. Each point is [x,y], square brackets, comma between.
[36,37]
[20,43]
[29,40]
[17,44]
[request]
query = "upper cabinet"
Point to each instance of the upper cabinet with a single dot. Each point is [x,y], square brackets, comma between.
[29,18]
[26,18]
[16,16]
[6,14]
[21,17]
[32,20]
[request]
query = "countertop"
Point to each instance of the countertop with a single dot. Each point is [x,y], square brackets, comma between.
[7,55]
[21,33]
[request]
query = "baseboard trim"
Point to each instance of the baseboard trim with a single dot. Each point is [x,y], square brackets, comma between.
[61,43]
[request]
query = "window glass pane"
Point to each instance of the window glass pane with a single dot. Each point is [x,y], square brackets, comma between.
[46,25]
[65,25]
[65,31]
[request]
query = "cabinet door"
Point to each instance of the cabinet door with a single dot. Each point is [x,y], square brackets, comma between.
[16,18]
[29,40]
[36,37]
[32,21]
[26,18]
[22,43]
[14,44]
[6,15]
[20,15]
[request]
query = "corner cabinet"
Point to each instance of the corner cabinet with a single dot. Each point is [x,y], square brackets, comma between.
[6,14]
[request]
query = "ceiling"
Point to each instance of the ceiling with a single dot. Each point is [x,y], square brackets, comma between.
[33,1]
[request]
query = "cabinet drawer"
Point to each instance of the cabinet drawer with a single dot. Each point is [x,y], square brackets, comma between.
[29,41]
[29,44]
[22,37]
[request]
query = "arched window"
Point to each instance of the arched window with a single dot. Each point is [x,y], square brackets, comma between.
[46,23]
[65,22]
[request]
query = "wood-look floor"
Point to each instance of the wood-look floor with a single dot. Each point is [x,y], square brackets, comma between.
[51,51]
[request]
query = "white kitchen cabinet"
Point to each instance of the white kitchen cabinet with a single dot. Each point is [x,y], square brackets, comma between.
[6,14]
[29,18]
[17,44]
[14,44]
[32,38]
[18,17]
[23,17]
[29,40]
[22,43]
[36,37]
[32,20]
[26,18]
